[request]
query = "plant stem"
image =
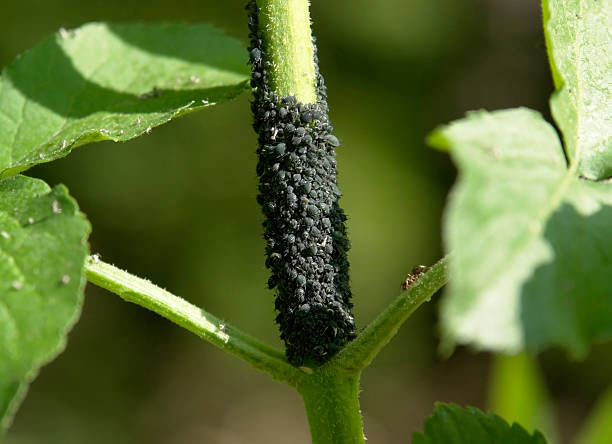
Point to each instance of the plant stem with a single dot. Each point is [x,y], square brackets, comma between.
[330,392]
[142,292]
[331,398]
[289,49]
[361,351]
[597,427]
[517,393]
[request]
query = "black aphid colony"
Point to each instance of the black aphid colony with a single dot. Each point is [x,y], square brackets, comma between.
[304,228]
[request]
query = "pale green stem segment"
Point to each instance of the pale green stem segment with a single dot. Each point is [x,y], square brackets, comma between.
[142,292]
[361,351]
[285,26]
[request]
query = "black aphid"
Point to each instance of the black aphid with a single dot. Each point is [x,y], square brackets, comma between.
[304,228]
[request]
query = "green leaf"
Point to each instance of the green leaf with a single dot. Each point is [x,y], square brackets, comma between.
[111,82]
[580,51]
[531,252]
[450,423]
[43,245]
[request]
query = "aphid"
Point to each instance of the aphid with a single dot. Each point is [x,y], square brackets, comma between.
[305,226]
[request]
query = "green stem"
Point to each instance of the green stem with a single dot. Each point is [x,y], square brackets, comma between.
[142,292]
[517,393]
[361,351]
[330,392]
[285,25]
[597,428]
[331,398]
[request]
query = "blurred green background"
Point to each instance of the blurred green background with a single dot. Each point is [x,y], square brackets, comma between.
[179,207]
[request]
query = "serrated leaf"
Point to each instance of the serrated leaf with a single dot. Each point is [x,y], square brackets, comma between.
[111,82]
[531,242]
[43,245]
[580,49]
[451,423]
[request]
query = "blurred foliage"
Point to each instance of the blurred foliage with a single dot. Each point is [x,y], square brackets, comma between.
[517,393]
[395,69]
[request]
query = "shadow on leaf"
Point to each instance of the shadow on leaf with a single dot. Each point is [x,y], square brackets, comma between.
[48,77]
[569,300]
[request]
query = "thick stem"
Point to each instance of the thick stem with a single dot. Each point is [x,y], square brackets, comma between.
[331,398]
[288,42]
[144,293]
[305,232]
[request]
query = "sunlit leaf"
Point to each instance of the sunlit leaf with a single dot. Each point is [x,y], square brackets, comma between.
[42,255]
[530,240]
[580,50]
[111,82]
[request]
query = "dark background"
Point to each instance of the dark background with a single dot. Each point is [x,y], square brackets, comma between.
[179,208]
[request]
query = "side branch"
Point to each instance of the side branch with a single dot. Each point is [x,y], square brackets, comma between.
[146,294]
[362,350]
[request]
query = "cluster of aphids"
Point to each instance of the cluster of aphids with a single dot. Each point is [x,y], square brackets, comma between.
[304,227]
